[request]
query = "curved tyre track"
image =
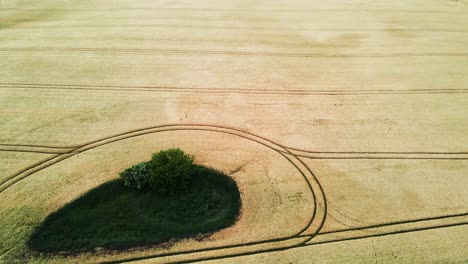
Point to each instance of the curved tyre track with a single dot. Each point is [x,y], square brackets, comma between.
[302,238]
[304,235]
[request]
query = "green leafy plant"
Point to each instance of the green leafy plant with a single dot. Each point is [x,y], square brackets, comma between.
[171,171]
[137,176]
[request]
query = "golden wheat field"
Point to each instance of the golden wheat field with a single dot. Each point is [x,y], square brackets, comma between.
[344,123]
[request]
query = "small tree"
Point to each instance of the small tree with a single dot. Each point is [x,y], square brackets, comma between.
[136,177]
[170,171]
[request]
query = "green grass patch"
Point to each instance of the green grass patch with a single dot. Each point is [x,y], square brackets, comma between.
[113,216]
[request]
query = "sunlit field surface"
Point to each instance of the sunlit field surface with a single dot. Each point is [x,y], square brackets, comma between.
[344,123]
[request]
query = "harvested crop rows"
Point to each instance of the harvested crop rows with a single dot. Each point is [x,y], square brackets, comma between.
[343,123]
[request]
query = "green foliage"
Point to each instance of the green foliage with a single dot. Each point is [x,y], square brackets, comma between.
[136,177]
[171,171]
[168,172]
[113,216]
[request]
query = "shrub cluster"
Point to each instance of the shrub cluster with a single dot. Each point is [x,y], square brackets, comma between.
[168,172]
[171,171]
[136,177]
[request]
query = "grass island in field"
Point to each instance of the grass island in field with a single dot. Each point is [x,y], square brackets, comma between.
[130,212]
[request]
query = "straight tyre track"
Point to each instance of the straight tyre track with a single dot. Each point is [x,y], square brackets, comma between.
[249,10]
[234,53]
[214,90]
[214,27]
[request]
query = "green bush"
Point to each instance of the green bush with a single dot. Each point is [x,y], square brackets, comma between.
[137,176]
[171,171]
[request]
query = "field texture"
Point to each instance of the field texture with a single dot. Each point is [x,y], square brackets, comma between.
[344,123]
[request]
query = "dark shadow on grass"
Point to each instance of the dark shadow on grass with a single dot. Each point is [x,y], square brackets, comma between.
[113,216]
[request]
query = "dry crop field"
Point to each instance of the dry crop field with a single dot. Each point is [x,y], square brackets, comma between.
[344,123]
